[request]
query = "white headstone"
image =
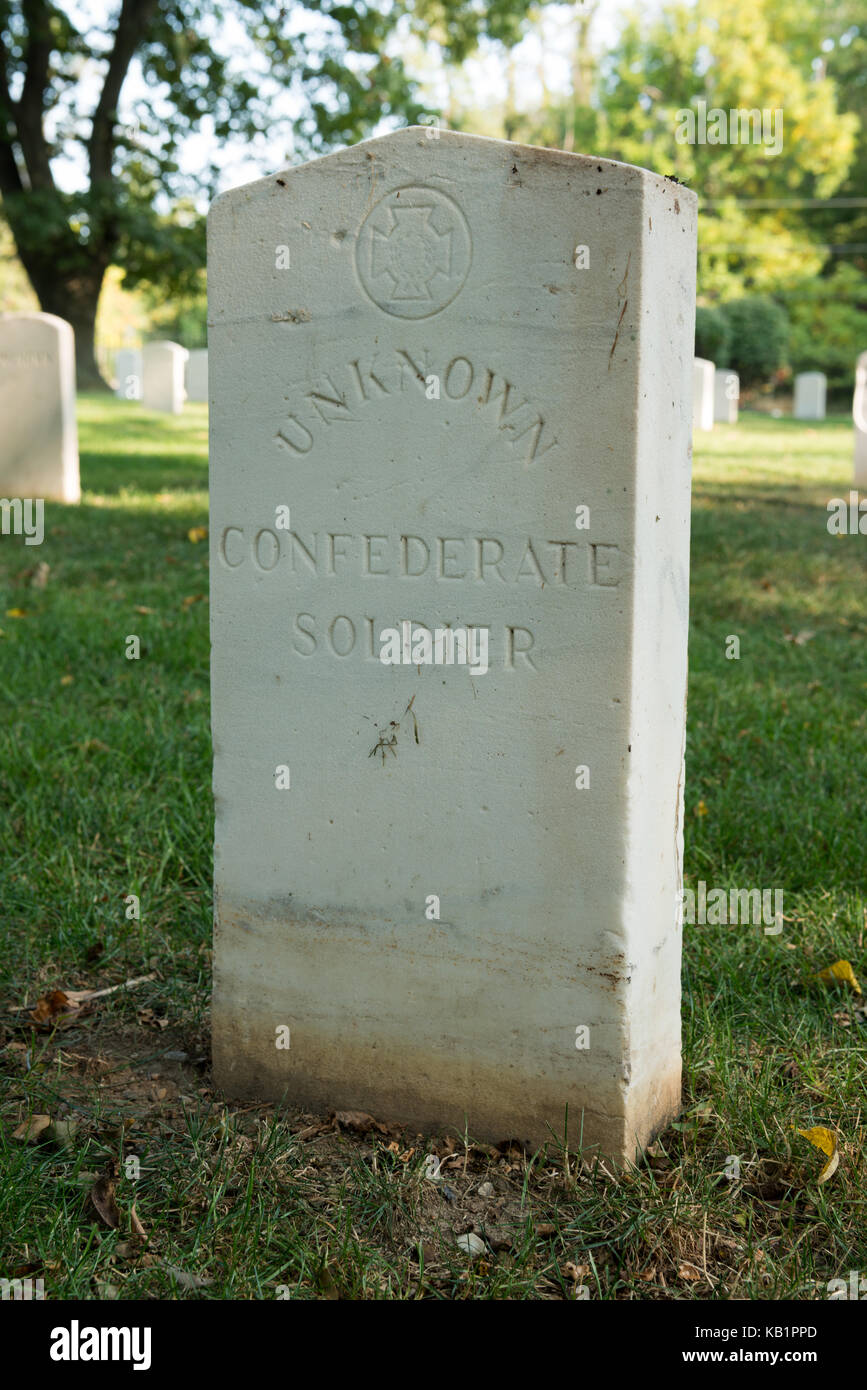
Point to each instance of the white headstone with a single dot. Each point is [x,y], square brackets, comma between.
[726,393]
[810,389]
[859,415]
[445,893]
[128,372]
[163,376]
[197,375]
[38,433]
[703,375]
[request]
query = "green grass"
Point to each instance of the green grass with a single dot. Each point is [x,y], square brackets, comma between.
[105,792]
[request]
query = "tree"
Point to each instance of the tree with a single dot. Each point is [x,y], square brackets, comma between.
[135,208]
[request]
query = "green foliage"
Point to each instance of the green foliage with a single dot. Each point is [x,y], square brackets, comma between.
[829,324]
[759,335]
[712,335]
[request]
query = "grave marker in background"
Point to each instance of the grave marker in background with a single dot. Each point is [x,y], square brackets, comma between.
[859,415]
[197,375]
[163,376]
[39,437]
[726,393]
[703,375]
[443,893]
[810,391]
[128,371]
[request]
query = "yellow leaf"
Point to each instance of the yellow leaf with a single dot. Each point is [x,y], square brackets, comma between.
[826,1140]
[67,680]
[197,533]
[701,809]
[840,970]
[15,613]
[193,598]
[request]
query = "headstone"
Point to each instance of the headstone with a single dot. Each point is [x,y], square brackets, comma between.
[703,376]
[38,433]
[197,375]
[128,371]
[726,393]
[163,376]
[459,426]
[810,389]
[859,415]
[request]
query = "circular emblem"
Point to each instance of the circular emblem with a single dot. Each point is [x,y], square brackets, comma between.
[413,252]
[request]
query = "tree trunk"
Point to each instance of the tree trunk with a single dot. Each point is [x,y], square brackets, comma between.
[75,299]
[67,279]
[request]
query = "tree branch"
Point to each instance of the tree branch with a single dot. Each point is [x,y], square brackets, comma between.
[135,15]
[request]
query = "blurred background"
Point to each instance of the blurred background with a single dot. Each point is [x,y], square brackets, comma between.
[119,122]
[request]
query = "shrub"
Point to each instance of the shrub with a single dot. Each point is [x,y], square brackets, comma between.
[712,335]
[759,331]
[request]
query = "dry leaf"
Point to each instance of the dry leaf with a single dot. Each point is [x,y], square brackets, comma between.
[840,970]
[29,1131]
[137,1228]
[140,608]
[15,613]
[40,575]
[197,533]
[193,598]
[103,1199]
[53,1006]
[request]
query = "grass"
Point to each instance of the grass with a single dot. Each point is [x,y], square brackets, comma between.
[105,793]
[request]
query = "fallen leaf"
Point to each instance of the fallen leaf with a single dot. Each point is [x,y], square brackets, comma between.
[825,1140]
[197,533]
[40,575]
[193,598]
[103,1198]
[15,613]
[137,1228]
[140,608]
[53,1006]
[29,1130]
[840,970]
[67,680]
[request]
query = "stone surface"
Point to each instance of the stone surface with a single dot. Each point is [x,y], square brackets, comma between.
[39,437]
[197,375]
[726,393]
[128,374]
[163,376]
[859,416]
[475,341]
[703,378]
[810,388]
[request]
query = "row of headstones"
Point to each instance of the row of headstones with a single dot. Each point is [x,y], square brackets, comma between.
[37,399]
[716,391]
[162,375]
[38,430]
